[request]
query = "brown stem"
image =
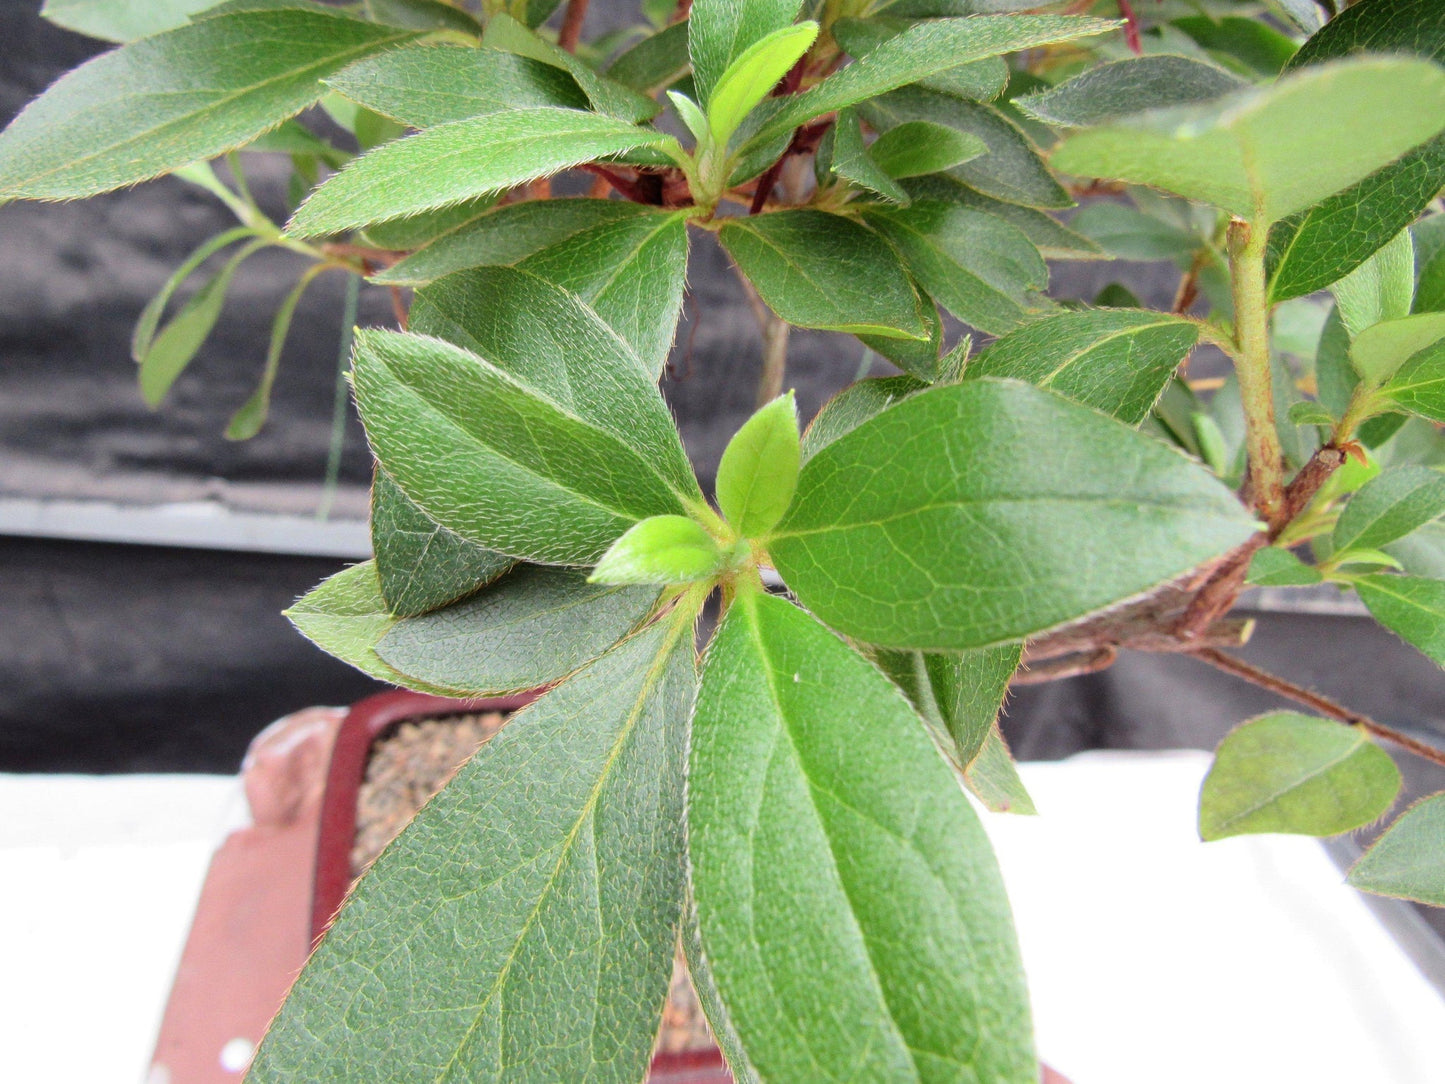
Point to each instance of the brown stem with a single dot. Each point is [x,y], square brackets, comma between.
[1306,484]
[380,257]
[1220,590]
[398,308]
[1322,704]
[1084,662]
[1143,634]
[1188,291]
[571,32]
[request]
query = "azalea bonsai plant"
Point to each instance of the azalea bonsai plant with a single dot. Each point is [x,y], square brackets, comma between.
[789,801]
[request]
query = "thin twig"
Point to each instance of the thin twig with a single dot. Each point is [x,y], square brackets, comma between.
[1085,662]
[398,308]
[571,32]
[1313,700]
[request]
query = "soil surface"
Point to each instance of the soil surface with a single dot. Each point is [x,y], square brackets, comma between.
[413,761]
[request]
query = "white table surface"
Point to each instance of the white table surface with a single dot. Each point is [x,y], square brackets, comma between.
[1152,958]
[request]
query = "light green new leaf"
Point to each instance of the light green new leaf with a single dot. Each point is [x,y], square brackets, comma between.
[1286,772]
[923,50]
[977,267]
[462,160]
[752,74]
[250,416]
[661,550]
[498,462]
[1311,412]
[191,93]
[943,523]
[528,629]
[816,269]
[1408,860]
[759,468]
[1419,385]
[421,565]
[150,317]
[1380,350]
[826,836]
[1264,154]
[1381,288]
[423,85]
[1114,360]
[1390,506]
[121,20]
[853,406]
[919,147]
[981,80]
[993,778]
[957,693]
[346,616]
[542,948]
[1411,607]
[1124,87]
[1273,566]
[720,31]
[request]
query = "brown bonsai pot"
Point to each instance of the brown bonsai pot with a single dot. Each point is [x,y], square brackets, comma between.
[273,888]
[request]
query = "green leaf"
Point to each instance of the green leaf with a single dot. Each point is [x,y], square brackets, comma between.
[121,20]
[923,50]
[421,565]
[661,550]
[919,147]
[463,160]
[1381,288]
[606,96]
[982,80]
[251,415]
[168,354]
[853,406]
[1374,558]
[827,836]
[1408,861]
[429,227]
[1311,412]
[692,116]
[822,270]
[852,160]
[993,778]
[1274,566]
[528,629]
[754,72]
[721,31]
[759,468]
[1114,360]
[1119,89]
[540,950]
[346,616]
[1286,772]
[191,93]
[654,62]
[1256,45]
[1129,234]
[1052,239]
[943,523]
[977,267]
[1381,349]
[1315,248]
[1265,154]
[1419,384]
[1411,607]
[498,462]
[957,693]
[423,85]
[1390,506]
[422,15]
[150,317]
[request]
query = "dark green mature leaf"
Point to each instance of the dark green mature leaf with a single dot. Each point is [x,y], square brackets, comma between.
[943,523]
[923,50]
[421,565]
[1286,772]
[917,357]
[654,62]
[428,227]
[1265,154]
[1129,234]
[1276,567]
[827,836]
[720,31]
[977,267]
[822,270]
[759,468]
[851,160]
[346,616]
[423,85]
[993,778]
[1411,607]
[661,550]
[121,20]
[1408,860]
[957,693]
[422,15]
[1125,87]
[1114,360]
[1316,247]
[1390,506]
[1011,170]
[528,629]
[501,464]
[463,160]
[982,80]
[1379,351]
[541,949]
[1419,385]
[853,406]
[192,93]
[919,147]
[1253,43]
[1050,237]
